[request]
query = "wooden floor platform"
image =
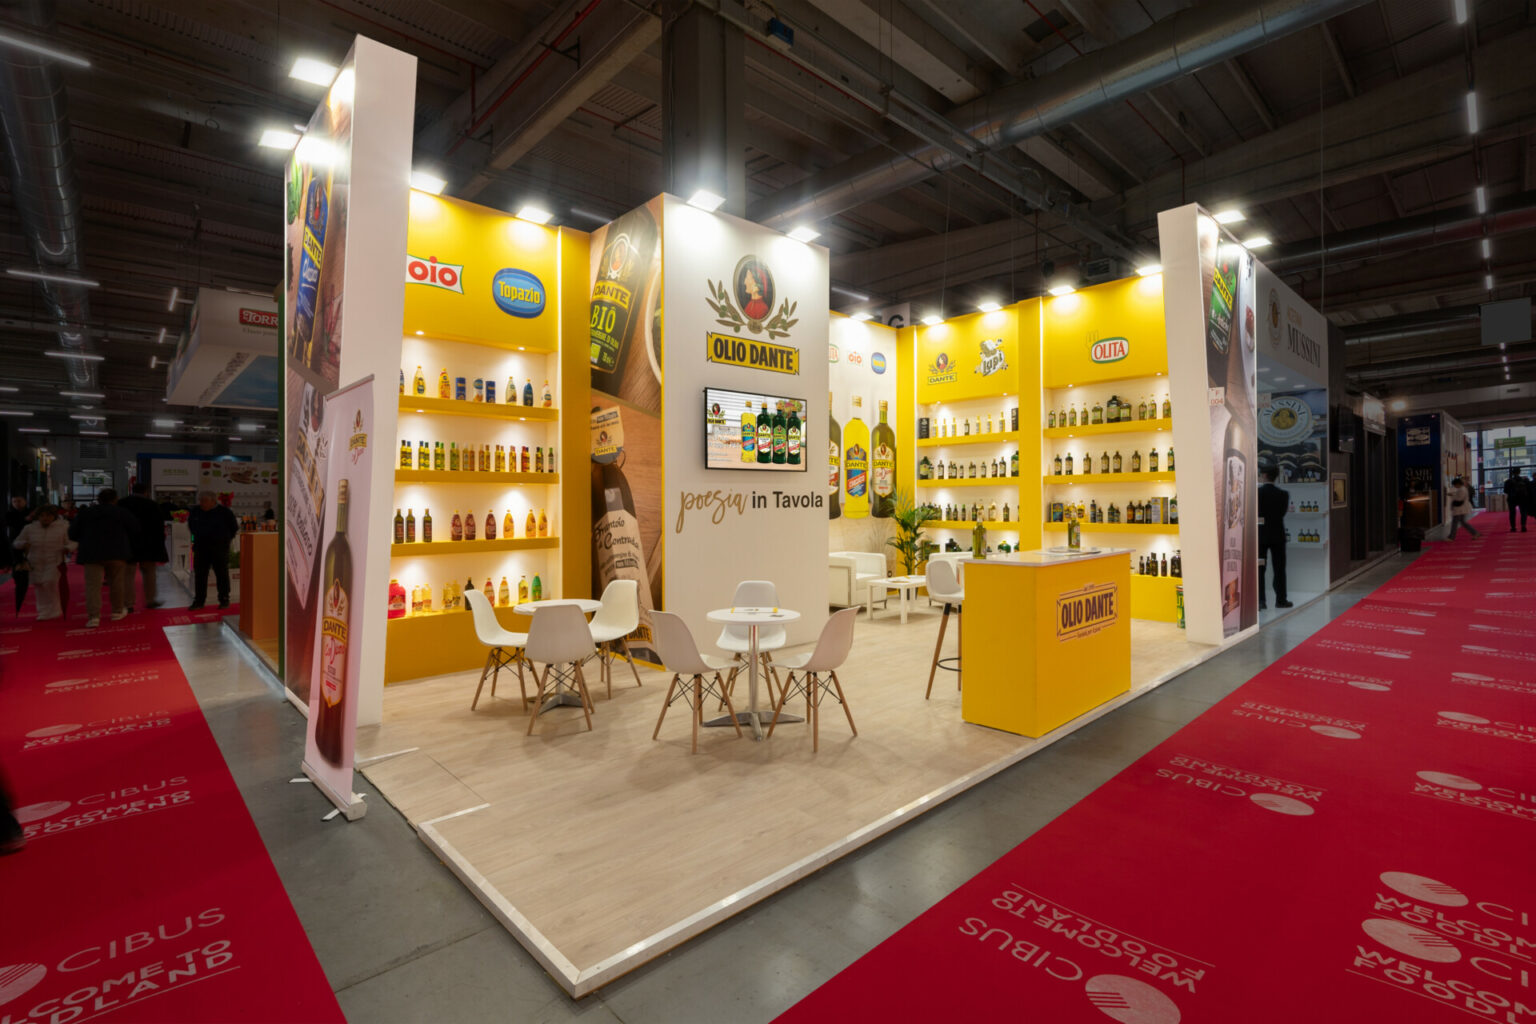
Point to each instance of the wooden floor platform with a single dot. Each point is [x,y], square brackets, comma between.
[601,850]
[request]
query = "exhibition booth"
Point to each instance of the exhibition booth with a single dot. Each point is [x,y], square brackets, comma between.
[626,424]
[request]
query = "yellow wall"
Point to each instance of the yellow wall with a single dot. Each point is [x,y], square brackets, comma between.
[1131,309]
[948,357]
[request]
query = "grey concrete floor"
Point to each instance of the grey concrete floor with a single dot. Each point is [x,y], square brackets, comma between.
[402,941]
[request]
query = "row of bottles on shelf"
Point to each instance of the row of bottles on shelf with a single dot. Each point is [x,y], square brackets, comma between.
[1066,466]
[1305,537]
[504,459]
[1307,506]
[1004,547]
[956,470]
[479,389]
[861,465]
[1150,565]
[421,602]
[1007,419]
[1113,411]
[1152,511]
[972,513]
[255,524]
[463,528]
[773,437]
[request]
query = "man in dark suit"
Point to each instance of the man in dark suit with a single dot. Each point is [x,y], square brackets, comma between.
[1273,502]
[214,527]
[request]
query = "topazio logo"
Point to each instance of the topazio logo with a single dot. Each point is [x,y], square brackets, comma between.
[428,271]
[1109,350]
[518,293]
[877,362]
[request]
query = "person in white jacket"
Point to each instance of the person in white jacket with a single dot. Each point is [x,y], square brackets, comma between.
[1461,507]
[45,541]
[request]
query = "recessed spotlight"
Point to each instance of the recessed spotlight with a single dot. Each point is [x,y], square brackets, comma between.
[315,72]
[426,181]
[534,214]
[989,306]
[932,320]
[278,138]
[863,316]
[89,357]
[1059,290]
[804,233]
[1257,242]
[1148,269]
[40,275]
[706,200]
[1230,216]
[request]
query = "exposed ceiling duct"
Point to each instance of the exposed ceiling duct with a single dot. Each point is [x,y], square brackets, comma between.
[43,183]
[1438,227]
[1415,325]
[1178,45]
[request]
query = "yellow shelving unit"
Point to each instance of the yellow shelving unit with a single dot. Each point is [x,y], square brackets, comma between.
[1128,427]
[479,410]
[991,481]
[1163,476]
[464,547]
[1000,437]
[961,524]
[1166,528]
[460,476]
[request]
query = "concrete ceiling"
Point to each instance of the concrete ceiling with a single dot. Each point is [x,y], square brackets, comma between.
[1355,122]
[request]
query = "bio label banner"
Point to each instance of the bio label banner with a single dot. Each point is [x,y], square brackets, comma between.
[329,742]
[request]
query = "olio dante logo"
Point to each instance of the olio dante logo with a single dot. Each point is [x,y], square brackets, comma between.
[1131,1000]
[877,362]
[426,270]
[748,302]
[16,980]
[941,370]
[1109,350]
[1084,612]
[518,293]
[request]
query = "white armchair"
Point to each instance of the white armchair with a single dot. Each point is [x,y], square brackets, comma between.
[850,573]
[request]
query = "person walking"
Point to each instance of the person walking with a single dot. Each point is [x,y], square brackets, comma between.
[104,532]
[1461,507]
[148,543]
[1273,503]
[213,528]
[17,516]
[43,544]
[1516,498]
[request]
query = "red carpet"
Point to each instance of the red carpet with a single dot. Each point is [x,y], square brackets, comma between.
[1350,837]
[144,892]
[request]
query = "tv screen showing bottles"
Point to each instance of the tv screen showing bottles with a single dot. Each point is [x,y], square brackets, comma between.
[746,430]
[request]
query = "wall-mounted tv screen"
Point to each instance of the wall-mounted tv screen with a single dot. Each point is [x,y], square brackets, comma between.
[749,430]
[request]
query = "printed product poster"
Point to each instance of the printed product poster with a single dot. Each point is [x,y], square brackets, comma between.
[1227,283]
[333,687]
[625,360]
[864,467]
[316,231]
[245,487]
[1293,434]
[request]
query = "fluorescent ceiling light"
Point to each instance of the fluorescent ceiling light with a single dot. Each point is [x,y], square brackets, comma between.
[234,439]
[315,151]
[1487,248]
[803,233]
[863,316]
[39,275]
[1472,112]
[1059,290]
[1147,270]
[88,416]
[1398,404]
[1257,242]
[1281,380]
[82,394]
[932,320]
[1230,217]
[7,387]
[315,72]
[1460,7]
[89,357]
[850,293]
[170,307]
[161,339]
[1488,282]
[1480,197]
[167,423]
[95,433]
[16,42]
[277,138]
[157,435]
[989,306]
[426,181]
[31,430]
[14,412]
[534,214]
[154,361]
[706,200]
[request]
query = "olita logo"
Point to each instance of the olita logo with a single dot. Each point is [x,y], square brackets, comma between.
[877,362]
[258,318]
[1110,350]
[428,271]
[518,293]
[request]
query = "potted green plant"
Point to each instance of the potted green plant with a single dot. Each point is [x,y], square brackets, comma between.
[912,547]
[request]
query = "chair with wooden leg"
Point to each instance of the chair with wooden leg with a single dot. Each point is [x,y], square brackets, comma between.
[737,639]
[506,647]
[680,654]
[559,637]
[815,674]
[944,585]
[616,619]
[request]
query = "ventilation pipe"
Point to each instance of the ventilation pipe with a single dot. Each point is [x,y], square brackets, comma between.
[42,172]
[1439,227]
[1194,38]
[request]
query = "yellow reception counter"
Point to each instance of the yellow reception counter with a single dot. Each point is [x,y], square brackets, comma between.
[1077,655]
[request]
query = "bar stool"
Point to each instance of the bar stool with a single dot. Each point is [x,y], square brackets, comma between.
[944,586]
[506,647]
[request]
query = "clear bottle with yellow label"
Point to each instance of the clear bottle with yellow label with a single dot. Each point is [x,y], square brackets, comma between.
[543,524]
[530,525]
[522,589]
[503,593]
[419,384]
[444,385]
[508,527]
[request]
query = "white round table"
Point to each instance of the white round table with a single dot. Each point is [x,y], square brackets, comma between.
[752,618]
[563,695]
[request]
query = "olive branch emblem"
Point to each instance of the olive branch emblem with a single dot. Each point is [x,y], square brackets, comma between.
[727,315]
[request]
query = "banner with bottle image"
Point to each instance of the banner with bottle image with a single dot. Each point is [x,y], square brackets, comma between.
[624,324]
[347,444]
[863,465]
[1227,289]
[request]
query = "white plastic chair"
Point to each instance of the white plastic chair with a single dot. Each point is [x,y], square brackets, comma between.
[817,673]
[559,636]
[737,638]
[944,585]
[506,647]
[616,619]
[680,654]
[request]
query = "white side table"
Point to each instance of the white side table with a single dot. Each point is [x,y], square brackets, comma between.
[905,586]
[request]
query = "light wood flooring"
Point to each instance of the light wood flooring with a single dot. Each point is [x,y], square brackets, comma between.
[600,850]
